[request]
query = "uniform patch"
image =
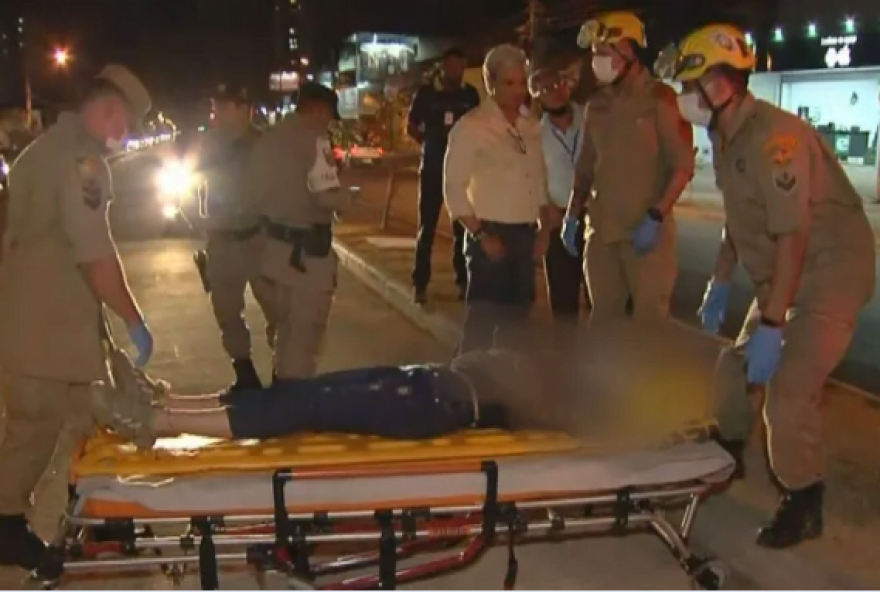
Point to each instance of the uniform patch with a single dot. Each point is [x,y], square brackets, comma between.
[784,180]
[89,168]
[780,149]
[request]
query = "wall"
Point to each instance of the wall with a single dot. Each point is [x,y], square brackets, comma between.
[830,100]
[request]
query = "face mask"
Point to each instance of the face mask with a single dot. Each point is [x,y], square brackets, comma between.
[603,68]
[114,145]
[691,110]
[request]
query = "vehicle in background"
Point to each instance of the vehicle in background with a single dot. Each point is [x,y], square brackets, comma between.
[177,186]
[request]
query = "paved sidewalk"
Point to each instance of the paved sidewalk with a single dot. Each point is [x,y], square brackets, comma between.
[381,255]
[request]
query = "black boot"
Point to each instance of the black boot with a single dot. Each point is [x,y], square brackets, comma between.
[246,377]
[736,449]
[798,518]
[19,546]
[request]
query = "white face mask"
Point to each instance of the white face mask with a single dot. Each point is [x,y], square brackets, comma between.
[691,110]
[603,68]
[114,145]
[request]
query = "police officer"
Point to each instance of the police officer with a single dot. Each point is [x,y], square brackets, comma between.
[59,268]
[435,109]
[798,227]
[632,126]
[234,239]
[297,191]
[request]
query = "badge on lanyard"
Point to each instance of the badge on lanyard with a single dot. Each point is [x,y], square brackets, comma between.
[448,118]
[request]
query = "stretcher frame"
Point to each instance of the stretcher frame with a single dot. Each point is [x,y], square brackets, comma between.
[283,542]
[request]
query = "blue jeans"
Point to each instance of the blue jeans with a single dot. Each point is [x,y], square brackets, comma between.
[501,293]
[409,402]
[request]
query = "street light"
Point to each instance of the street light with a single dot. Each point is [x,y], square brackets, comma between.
[61,57]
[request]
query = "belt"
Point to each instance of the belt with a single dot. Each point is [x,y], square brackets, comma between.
[239,235]
[315,241]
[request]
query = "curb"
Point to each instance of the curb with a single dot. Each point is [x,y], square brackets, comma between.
[731,534]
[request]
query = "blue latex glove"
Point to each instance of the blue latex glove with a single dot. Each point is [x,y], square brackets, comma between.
[143,341]
[714,307]
[763,352]
[569,235]
[646,235]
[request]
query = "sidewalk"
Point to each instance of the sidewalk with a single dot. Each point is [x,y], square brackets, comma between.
[380,253]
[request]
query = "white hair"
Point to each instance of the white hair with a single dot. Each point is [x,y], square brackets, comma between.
[498,57]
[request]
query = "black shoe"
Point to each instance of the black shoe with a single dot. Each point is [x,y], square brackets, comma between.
[798,518]
[246,377]
[736,449]
[19,546]
[419,296]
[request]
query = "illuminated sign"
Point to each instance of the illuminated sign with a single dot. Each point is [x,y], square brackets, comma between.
[284,81]
[839,52]
[837,41]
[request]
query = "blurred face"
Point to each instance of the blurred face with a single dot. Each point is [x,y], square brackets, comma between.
[554,93]
[107,118]
[702,99]
[511,86]
[231,114]
[610,59]
[321,113]
[453,69]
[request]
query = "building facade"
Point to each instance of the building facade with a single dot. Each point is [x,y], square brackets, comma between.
[12,34]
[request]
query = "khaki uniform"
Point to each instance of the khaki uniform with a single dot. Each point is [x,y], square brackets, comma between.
[234,240]
[50,345]
[634,140]
[295,183]
[777,177]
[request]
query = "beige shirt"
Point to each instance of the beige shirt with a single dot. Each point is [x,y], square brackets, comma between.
[635,139]
[777,177]
[493,170]
[291,172]
[60,191]
[223,159]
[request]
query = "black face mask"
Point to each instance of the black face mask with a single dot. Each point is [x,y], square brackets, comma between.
[558,111]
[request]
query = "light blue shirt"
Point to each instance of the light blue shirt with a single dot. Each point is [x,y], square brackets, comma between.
[561,152]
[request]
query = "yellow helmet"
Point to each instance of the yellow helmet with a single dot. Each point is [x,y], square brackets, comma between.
[612,27]
[713,45]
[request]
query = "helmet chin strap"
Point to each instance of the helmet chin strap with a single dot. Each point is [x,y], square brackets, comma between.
[627,66]
[716,110]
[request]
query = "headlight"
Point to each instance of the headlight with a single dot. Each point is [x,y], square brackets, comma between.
[169,212]
[176,178]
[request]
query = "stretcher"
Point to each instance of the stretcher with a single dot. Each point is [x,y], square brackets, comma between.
[279,506]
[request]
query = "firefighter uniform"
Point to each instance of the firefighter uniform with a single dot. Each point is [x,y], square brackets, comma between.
[778,178]
[631,124]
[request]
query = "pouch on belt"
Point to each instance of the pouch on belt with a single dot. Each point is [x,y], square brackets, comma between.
[315,241]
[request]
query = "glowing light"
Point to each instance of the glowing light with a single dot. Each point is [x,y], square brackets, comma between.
[61,57]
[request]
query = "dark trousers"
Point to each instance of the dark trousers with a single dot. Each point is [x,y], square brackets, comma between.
[565,277]
[500,293]
[410,402]
[430,205]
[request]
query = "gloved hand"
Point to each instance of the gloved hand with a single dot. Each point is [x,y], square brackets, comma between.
[714,307]
[569,235]
[143,340]
[763,352]
[646,235]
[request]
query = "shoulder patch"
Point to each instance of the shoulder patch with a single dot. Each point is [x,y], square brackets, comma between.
[88,166]
[780,148]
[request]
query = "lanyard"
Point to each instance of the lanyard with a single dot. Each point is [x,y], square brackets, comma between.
[571,151]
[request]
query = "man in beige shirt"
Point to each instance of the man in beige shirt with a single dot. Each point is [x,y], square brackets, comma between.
[59,268]
[495,184]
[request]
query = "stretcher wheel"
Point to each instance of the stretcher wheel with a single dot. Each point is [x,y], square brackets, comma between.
[710,575]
